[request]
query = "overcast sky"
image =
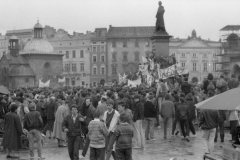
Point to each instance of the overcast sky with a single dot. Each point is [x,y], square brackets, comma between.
[181,16]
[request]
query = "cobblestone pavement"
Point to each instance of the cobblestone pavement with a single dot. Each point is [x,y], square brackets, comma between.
[159,149]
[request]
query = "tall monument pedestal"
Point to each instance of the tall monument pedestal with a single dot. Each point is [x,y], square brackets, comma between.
[160,42]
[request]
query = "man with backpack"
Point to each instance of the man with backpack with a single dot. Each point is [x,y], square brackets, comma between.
[33,123]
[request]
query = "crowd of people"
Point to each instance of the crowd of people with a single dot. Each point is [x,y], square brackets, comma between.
[111,121]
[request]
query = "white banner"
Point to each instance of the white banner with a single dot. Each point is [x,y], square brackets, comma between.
[122,79]
[134,83]
[143,68]
[62,80]
[42,84]
[171,71]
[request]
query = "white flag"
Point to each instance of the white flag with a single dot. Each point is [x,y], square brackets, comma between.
[62,80]
[42,84]
[144,60]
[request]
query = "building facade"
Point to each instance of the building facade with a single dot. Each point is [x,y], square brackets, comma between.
[98,57]
[36,61]
[125,48]
[76,51]
[3,45]
[230,63]
[198,56]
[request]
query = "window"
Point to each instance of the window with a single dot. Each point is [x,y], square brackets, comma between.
[205,55]
[102,70]
[74,67]
[67,54]
[114,56]
[73,81]
[125,43]
[94,84]
[81,54]
[102,48]
[94,49]
[113,44]
[136,56]
[26,80]
[114,69]
[98,49]
[194,55]
[94,70]
[67,67]
[73,54]
[84,74]
[183,64]
[194,66]
[94,59]
[102,58]
[83,83]
[60,52]
[136,43]
[214,67]
[82,67]
[183,55]
[125,56]
[205,67]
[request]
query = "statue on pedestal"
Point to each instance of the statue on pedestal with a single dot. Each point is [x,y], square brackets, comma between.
[160,27]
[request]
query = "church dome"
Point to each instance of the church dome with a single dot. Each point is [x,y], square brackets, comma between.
[38,46]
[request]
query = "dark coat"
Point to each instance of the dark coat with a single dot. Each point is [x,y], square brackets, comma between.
[138,111]
[149,110]
[50,110]
[13,132]
[74,129]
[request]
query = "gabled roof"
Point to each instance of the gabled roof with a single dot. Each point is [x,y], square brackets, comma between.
[128,32]
[231,28]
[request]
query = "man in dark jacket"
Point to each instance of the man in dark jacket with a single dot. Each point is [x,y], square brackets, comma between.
[33,123]
[220,128]
[51,108]
[208,123]
[182,116]
[72,125]
[150,114]
[138,116]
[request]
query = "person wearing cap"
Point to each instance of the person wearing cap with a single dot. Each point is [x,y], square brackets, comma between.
[61,113]
[150,114]
[33,123]
[12,132]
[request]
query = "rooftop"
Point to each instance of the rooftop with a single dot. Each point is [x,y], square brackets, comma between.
[231,28]
[127,32]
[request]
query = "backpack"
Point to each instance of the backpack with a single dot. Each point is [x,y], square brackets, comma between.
[210,86]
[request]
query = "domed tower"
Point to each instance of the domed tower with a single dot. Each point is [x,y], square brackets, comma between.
[38,30]
[194,34]
[39,52]
[14,46]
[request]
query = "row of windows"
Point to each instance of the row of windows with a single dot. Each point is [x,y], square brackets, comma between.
[205,66]
[70,43]
[125,44]
[102,70]
[98,48]
[194,55]
[73,67]
[73,54]
[94,58]
[125,56]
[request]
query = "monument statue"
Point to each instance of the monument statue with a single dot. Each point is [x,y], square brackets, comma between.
[160,27]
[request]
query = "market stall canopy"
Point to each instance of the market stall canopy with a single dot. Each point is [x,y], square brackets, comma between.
[4,90]
[229,100]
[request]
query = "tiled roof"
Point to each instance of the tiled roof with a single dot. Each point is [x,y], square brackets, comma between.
[127,32]
[19,60]
[231,28]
